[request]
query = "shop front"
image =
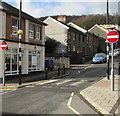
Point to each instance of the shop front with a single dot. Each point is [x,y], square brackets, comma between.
[32,59]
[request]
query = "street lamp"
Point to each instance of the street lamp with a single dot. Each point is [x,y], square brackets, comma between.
[20,32]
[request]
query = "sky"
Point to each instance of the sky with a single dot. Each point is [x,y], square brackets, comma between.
[41,8]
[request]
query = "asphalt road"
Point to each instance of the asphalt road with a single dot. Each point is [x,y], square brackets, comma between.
[56,96]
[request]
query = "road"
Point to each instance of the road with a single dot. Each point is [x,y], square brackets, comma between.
[55,96]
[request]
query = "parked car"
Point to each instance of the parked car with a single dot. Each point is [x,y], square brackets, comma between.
[99,58]
[49,64]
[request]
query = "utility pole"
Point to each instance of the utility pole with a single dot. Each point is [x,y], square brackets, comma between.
[107,16]
[108,59]
[20,32]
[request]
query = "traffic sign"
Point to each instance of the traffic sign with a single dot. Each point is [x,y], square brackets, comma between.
[112,36]
[3,45]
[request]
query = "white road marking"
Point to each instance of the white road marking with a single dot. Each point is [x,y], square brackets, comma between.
[63,82]
[77,83]
[73,110]
[30,86]
[63,88]
[70,99]
[89,66]
[47,86]
[46,82]
[3,92]
[69,104]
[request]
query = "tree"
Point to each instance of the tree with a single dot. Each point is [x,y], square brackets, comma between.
[50,45]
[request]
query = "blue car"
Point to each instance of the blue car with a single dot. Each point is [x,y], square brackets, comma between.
[99,58]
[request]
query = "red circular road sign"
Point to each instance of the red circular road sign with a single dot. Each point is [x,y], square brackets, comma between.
[3,45]
[112,36]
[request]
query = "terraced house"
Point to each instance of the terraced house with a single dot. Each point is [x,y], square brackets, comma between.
[32,43]
[76,41]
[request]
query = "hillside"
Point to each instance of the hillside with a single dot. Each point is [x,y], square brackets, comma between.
[87,21]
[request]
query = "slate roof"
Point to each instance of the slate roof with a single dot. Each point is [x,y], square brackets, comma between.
[15,12]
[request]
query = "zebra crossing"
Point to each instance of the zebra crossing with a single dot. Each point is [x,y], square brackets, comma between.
[64,82]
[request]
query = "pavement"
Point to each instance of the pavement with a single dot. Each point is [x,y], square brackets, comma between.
[99,95]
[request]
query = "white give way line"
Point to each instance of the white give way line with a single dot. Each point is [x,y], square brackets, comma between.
[69,104]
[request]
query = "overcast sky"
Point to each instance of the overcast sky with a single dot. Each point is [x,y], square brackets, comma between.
[40,8]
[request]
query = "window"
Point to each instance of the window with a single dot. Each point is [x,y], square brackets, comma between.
[69,34]
[38,32]
[74,37]
[34,60]
[31,31]
[79,38]
[14,26]
[11,61]
[69,47]
[74,48]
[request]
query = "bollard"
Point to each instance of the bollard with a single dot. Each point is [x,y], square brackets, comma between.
[119,69]
[63,68]
[46,71]
[58,70]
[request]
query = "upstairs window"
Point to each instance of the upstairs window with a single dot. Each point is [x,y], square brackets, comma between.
[74,36]
[31,31]
[14,26]
[37,32]
[69,48]
[74,48]
[69,35]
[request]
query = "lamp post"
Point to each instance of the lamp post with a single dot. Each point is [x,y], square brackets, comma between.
[20,32]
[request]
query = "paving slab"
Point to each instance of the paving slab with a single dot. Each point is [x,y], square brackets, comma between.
[102,97]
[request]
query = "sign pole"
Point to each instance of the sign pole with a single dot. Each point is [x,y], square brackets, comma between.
[108,62]
[4,70]
[112,73]
[112,37]
[4,47]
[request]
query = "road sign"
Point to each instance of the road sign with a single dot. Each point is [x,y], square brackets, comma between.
[3,45]
[112,36]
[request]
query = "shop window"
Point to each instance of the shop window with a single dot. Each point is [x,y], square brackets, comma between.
[11,61]
[14,62]
[7,61]
[14,26]
[34,60]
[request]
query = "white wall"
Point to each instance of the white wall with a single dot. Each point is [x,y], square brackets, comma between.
[56,31]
